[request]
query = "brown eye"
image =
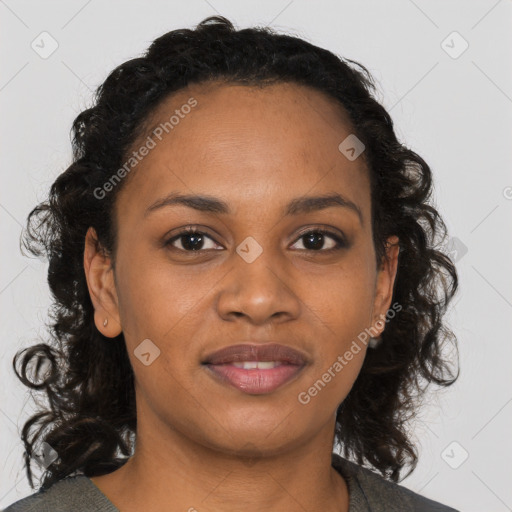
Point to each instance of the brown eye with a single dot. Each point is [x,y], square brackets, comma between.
[190,240]
[317,239]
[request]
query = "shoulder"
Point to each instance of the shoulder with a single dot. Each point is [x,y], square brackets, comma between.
[77,493]
[380,494]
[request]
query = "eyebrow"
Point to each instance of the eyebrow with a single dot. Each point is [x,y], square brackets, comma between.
[300,205]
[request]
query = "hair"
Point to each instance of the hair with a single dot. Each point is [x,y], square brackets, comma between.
[88,382]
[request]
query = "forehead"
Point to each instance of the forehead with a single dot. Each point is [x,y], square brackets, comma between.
[245,144]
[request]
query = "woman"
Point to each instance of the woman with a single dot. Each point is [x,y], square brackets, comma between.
[245,273]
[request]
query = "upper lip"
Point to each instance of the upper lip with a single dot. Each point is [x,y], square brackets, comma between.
[256,352]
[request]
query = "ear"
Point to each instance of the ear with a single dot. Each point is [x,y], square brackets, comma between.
[385,282]
[100,281]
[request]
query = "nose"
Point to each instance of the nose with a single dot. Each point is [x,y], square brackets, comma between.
[261,292]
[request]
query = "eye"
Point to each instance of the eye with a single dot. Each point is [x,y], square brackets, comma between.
[193,240]
[190,239]
[315,240]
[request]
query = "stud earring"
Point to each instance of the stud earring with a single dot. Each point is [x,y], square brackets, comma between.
[374,342]
[105,322]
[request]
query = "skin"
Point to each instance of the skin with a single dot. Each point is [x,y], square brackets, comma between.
[201,444]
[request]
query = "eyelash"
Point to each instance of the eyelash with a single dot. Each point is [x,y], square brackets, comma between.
[340,241]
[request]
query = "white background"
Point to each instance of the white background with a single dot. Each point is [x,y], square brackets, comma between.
[455,112]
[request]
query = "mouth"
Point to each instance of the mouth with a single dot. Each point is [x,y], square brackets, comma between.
[255,369]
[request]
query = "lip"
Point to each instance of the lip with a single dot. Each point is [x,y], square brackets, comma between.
[255,381]
[256,352]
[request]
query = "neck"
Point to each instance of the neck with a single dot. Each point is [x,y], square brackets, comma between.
[170,471]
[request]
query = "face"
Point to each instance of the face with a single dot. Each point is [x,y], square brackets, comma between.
[266,267]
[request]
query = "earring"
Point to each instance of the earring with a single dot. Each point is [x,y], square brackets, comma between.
[374,342]
[105,322]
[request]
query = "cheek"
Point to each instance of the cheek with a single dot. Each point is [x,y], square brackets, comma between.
[322,396]
[153,294]
[341,302]
[167,305]
[341,310]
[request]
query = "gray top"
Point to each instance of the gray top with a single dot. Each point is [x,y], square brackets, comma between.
[369,492]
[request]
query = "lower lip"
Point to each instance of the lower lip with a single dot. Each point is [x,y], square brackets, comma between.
[255,381]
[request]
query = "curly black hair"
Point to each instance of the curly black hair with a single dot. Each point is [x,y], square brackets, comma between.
[90,419]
